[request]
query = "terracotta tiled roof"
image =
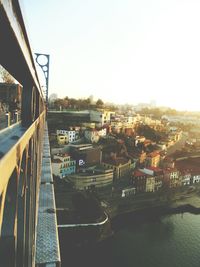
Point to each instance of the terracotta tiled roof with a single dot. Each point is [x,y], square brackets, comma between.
[156,169]
[170,170]
[139,173]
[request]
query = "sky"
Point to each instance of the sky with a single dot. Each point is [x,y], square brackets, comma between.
[122,51]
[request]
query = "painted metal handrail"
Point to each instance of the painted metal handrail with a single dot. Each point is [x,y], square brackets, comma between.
[20,145]
[84,224]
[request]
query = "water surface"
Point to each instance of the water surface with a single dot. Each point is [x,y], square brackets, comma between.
[170,241]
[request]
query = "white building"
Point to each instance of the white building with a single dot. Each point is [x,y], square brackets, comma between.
[102,132]
[62,165]
[196,178]
[91,135]
[101,117]
[139,139]
[72,135]
[92,178]
[129,119]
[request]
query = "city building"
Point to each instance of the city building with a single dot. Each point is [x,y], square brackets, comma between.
[72,134]
[120,166]
[139,181]
[141,156]
[139,139]
[185,177]
[127,192]
[175,136]
[153,159]
[103,131]
[85,155]
[63,165]
[62,139]
[150,183]
[86,125]
[101,117]
[143,182]
[116,126]
[91,135]
[128,131]
[172,177]
[157,173]
[168,162]
[195,176]
[92,178]
[189,169]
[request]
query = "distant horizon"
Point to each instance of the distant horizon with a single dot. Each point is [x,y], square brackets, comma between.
[121,51]
[146,104]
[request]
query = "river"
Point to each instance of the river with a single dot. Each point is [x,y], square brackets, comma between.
[169,241]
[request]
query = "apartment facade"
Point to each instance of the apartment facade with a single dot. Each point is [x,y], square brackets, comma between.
[63,165]
[120,166]
[72,134]
[92,179]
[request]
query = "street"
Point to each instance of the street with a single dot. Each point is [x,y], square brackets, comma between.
[178,145]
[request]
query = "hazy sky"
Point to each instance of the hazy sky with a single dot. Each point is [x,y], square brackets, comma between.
[123,51]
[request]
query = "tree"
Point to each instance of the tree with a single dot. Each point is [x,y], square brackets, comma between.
[99,103]
[5,76]
[73,102]
[148,133]
[60,103]
[53,97]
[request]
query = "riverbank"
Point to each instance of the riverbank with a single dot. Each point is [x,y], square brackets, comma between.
[135,214]
[123,211]
[155,241]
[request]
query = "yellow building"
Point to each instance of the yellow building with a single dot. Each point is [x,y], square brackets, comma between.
[62,139]
[150,183]
[153,159]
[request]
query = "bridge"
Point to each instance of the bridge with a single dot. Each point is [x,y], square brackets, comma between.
[28,225]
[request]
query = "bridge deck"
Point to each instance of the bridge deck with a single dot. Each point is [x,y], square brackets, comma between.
[47,244]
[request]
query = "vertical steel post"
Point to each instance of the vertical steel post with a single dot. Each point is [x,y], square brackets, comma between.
[8,119]
[16,116]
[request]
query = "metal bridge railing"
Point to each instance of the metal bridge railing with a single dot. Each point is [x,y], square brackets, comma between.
[20,145]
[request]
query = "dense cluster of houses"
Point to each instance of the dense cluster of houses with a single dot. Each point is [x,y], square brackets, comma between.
[109,148]
[174,175]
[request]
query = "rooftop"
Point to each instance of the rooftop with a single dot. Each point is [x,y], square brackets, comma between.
[154,154]
[62,155]
[138,173]
[81,146]
[116,161]
[56,161]
[155,169]
[170,170]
